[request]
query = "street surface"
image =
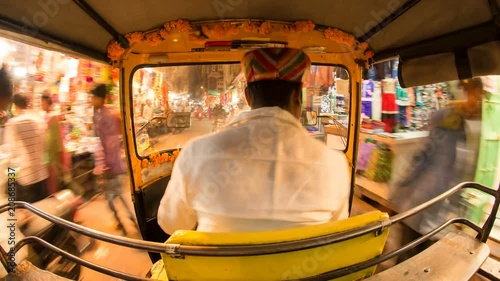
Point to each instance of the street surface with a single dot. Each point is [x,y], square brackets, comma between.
[96,215]
[173,141]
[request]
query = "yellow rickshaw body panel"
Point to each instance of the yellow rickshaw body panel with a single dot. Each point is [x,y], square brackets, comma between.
[283,266]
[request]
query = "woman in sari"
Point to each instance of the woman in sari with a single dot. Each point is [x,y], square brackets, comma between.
[58,163]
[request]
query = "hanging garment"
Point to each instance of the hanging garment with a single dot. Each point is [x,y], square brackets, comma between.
[368,88]
[390,122]
[409,112]
[366,108]
[377,101]
[418,97]
[390,108]
[411,96]
[402,97]
[402,118]
[389,105]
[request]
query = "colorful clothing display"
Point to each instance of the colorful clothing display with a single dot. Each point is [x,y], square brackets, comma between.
[390,108]
[368,88]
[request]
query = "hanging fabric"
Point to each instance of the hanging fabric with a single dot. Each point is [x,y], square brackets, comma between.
[389,106]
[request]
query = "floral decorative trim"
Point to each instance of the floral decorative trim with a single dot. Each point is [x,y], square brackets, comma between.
[223,29]
[156,159]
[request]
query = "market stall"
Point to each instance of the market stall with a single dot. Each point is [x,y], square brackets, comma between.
[67,80]
[395,141]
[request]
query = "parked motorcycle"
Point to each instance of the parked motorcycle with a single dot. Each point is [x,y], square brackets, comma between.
[63,204]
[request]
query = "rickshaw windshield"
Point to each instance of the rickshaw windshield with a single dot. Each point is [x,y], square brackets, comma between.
[174,104]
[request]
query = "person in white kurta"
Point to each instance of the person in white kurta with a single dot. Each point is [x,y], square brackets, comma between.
[147,111]
[262,172]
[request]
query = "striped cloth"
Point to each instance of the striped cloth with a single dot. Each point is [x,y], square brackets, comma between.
[25,138]
[276,64]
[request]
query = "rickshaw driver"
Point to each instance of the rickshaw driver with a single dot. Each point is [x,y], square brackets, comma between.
[262,172]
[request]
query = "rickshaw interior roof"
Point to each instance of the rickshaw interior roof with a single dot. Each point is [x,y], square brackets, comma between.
[391,27]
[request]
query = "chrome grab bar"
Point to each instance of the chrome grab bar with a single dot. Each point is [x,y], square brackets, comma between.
[80,261]
[114,239]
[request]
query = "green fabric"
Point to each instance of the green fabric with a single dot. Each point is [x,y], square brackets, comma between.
[490,144]
[402,96]
[55,146]
[487,167]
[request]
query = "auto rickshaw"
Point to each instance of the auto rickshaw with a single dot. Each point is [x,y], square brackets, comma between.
[435,40]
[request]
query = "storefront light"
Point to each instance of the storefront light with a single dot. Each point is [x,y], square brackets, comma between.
[151,94]
[20,72]
[72,70]
[6,49]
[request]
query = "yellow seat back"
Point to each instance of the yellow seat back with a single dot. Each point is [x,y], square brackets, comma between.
[282,266]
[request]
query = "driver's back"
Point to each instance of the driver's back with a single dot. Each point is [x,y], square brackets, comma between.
[263,172]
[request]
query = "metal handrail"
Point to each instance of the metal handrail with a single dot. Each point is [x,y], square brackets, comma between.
[273,248]
[113,239]
[270,248]
[80,261]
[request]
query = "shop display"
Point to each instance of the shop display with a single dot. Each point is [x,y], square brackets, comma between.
[379,167]
[67,80]
[364,154]
[406,114]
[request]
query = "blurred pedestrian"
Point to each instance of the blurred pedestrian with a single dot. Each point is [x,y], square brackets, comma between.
[108,129]
[57,158]
[25,139]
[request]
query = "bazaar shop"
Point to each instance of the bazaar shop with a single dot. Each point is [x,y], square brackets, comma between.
[400,149]
[67,80]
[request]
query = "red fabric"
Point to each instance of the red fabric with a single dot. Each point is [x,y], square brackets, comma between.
[389,122]
[389,105]
[52,181]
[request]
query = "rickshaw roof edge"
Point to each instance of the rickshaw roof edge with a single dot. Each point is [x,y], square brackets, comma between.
[392,28]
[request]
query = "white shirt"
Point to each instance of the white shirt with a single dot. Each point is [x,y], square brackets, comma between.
[25,137]
[263,172]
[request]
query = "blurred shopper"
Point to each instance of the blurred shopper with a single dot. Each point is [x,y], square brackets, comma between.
[147,111]
[5,97]
[56,156]
[25,138]
[435,168]
[110,165]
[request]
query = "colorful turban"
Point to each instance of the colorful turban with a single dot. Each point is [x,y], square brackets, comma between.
[276,64]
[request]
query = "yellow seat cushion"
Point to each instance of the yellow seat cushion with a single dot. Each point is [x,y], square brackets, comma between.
[282,266]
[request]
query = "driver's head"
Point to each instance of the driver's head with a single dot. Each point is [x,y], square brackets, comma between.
[274,78]
[5,88]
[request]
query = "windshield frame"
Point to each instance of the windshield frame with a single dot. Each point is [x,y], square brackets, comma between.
[153,65]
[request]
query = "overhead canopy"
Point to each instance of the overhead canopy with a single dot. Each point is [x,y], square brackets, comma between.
[406,28]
